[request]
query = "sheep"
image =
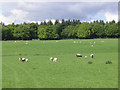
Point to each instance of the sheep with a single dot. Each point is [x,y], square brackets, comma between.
[85,57]
[51,59]
[23,59]
[20,59]
[26,43]
[91,45]
[55,60]
[92,55]
[78,55]
[26,60]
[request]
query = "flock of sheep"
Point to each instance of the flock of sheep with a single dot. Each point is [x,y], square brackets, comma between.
[23,59]
[56,59]
[53,59]
[80,55]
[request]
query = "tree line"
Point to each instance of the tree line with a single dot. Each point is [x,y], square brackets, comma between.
[66,29]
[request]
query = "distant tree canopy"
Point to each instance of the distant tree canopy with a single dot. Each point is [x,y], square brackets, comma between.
[67,29]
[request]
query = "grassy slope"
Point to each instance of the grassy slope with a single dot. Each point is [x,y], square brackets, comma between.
[69,71]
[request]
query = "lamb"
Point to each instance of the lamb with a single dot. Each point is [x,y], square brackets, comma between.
[51,59]
[55,60]
[92,55]
[26,60]
[85,57]
[78,55]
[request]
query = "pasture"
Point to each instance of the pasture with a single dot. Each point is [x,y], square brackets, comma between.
[69,72]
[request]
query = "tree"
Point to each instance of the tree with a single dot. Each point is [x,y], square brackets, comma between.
[2,24]
[6,33]
[111,30]
[47,32]
[33,29]
[41,23]
[57,22]
[44,23]
[21,32]
[68,32]
[59,29]
[83,30]
[49,22]
[99,31]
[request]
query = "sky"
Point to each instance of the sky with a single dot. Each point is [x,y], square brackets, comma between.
[36,11]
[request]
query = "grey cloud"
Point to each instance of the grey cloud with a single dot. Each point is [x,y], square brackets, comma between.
[68,10]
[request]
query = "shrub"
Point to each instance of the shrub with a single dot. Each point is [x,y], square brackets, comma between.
[108,62]
[90,62]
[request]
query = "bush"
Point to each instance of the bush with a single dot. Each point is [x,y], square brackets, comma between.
[108,62]
[90,62]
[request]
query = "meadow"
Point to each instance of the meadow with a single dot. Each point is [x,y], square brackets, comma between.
[69,72]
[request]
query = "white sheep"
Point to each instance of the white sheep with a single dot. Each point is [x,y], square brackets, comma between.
[51,59]
[20,59]
[85,57]
[55,60]
[26,43]
[78,55]
[26,60]
[91,45]
[23,59]
[92,55]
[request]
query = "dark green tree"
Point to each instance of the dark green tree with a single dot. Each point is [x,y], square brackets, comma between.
[83,30]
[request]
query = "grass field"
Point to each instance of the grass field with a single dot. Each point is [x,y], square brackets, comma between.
[69,72]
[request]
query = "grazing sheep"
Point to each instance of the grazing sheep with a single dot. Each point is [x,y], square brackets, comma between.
[51,59]
[23,59]
[92,55]
[26,43]
[20,59]
[26,60]
[85,57]
[55,60]
[91,45]
[78,55]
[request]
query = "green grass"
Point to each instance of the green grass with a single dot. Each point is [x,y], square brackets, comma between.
[69,72]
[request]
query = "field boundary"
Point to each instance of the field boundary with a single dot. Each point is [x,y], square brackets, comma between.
[0,56]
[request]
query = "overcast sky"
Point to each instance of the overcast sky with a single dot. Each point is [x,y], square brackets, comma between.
[20,12]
